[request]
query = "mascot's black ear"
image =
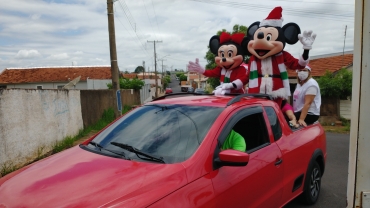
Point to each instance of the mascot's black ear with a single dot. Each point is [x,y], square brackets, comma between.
[214,44]
[291,31]
[245,45]
[252,29]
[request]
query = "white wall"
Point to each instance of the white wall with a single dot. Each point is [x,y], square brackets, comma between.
[93,84]
[145,93]
[345,109]
[32,119]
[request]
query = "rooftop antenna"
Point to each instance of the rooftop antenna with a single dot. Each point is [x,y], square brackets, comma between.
[72,83]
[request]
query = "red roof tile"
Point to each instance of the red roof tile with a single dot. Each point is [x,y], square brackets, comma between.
[129,76]
[54,74]
[332,64]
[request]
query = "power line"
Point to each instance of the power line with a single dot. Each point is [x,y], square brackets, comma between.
[131,20]
[155,15]
[316,2]
[149,20]
[324,14]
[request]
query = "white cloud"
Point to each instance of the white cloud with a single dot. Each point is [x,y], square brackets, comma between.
[61,56]
[79,29]
[35,16]
[78,53]
[27,54]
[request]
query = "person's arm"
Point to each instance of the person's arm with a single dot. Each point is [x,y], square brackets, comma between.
[308,99]
[291,117]
[234,141]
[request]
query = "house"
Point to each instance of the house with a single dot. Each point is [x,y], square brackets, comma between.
[197,80]
[90,77]
[150,77]
[328,62]
[129,76]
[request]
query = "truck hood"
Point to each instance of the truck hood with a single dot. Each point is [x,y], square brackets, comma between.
[78,178]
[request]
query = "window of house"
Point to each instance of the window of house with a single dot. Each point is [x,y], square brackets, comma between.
[59,87]
[274,122]
[2,86]
[39,87]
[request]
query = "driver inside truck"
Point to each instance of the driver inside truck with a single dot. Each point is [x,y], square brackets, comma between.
[234,141]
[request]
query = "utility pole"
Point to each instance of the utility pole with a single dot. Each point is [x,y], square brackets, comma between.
[144,70]
[162,71]
[155,66]
[344,44]
[113,57]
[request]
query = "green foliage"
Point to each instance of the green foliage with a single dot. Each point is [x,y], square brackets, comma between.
[168,72]
[125,83]
[345,122]
[7,168]
[139,69]
[183,77]
[166,81]
[178,74]
[338,85]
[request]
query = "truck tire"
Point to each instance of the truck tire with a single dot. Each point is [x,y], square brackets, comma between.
[312,184]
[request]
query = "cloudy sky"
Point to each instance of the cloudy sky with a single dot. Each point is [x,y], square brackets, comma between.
[39,33]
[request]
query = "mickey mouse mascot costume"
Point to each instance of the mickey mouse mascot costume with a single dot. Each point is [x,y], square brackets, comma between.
[229,57]
[265,42]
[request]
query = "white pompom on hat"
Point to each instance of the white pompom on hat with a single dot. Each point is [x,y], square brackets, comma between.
[308,67]
[274,19]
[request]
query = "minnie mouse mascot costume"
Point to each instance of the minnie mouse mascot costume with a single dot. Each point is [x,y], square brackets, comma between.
[229,57]
[265,42]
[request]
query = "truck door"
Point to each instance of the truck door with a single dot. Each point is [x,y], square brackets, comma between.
[259,183]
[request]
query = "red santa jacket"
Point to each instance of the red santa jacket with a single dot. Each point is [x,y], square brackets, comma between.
[269,76]
[238,76]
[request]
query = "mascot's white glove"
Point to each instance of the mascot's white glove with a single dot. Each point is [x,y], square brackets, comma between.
[220,91]
[307,39]
[227,86]
[195,67]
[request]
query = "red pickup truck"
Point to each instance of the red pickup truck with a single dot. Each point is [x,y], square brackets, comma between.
[167,153]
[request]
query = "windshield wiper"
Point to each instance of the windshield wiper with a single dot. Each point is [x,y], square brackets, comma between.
[138,152]
[102,148]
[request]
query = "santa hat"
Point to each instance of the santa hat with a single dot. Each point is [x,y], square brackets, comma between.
[308,67]
[274,19]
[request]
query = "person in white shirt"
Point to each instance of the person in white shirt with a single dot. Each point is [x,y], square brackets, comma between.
[306,98]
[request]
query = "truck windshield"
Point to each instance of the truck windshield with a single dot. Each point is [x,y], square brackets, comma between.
[170,132]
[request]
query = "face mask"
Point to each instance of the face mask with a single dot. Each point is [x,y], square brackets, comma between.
[302,75]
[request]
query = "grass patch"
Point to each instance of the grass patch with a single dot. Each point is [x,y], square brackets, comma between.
[7,168]
[337,129]
[68,142]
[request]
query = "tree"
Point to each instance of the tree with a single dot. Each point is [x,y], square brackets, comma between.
[166,81]
[183,77]
[337,85]
[125,83]
[139,69]
[210,57]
